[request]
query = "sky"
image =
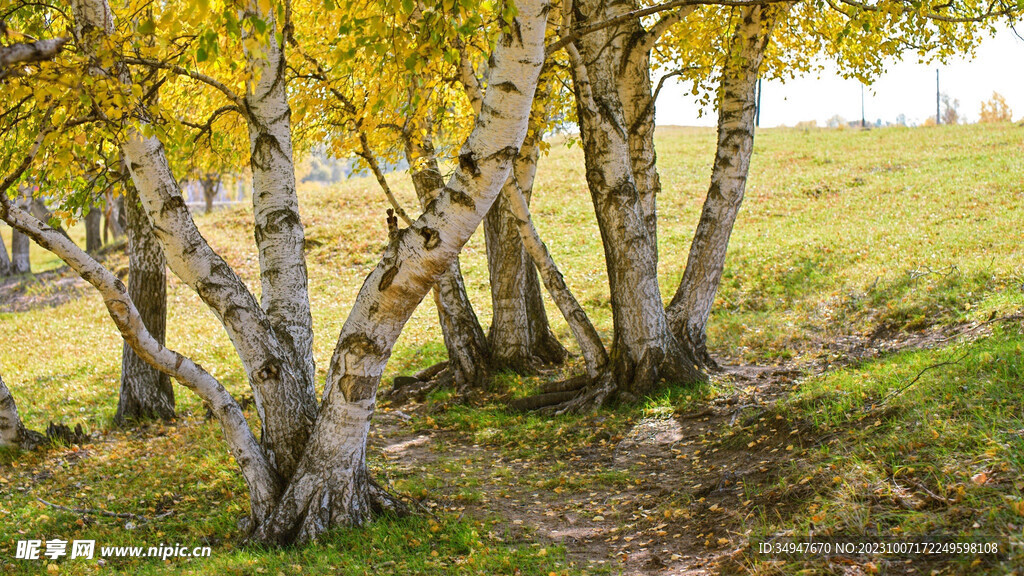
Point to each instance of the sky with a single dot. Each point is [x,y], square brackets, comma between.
[906,88]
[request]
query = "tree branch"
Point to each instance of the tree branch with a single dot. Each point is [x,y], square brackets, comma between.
[371,160]
[640,13]
[259,475]
[182,71]
[29,52]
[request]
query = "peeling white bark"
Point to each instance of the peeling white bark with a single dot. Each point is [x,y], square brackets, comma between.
[263,483]
[330,486]
[279,233]
[691,306]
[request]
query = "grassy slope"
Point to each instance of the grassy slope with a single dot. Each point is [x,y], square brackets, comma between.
[833,226]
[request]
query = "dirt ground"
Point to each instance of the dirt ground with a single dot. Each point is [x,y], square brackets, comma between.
[687,490]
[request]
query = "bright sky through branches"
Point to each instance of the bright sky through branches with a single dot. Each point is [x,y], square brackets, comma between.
[906,88]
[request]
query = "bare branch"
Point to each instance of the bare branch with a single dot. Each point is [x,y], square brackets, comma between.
[991,12]
[371,160]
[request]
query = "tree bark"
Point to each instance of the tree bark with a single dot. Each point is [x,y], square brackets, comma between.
[5,260]
[644,352]
[20,262]
[690,308]
[469,353]
[12,431]
[93,221]
[145,391]
[279,233]
[321,468]
[520,337]
[260,476]
[331,486]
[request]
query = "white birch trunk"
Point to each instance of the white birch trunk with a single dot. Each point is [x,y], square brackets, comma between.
[469,355]
[12,432]
[691,306]
[279,233]
[284,397]
[259,475]
[331,485]
[644,352]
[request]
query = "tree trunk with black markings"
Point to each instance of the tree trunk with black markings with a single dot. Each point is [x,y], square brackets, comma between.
[645,354]
[146,393]
[469,355]
[308,473]
[690,308]
[520,337]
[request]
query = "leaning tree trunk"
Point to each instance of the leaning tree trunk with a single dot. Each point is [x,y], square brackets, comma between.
[690,307]
[12,431]
[644,351]
[145,391]
[93,221]
[331,485]
[469,355]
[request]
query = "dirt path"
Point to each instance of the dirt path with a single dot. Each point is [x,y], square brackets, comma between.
[668,497]
[671,495]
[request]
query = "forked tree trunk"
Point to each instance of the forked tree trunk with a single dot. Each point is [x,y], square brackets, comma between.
[331,486]
[690,308]
[323,471]
[644,353]
[469,355]
[145,391]
[93,221]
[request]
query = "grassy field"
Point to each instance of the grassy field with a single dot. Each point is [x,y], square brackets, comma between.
[859,260]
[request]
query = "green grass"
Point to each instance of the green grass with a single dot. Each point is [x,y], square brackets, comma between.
[842,232]
[893,459]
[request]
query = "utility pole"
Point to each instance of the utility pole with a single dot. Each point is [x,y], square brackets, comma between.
[938,118]
[863,121]
[757,111]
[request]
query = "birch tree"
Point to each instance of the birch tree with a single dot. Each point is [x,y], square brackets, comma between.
[307,472]
[12,432]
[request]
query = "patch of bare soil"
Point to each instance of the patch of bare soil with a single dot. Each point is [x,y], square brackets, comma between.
[665,497]
[672,495]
